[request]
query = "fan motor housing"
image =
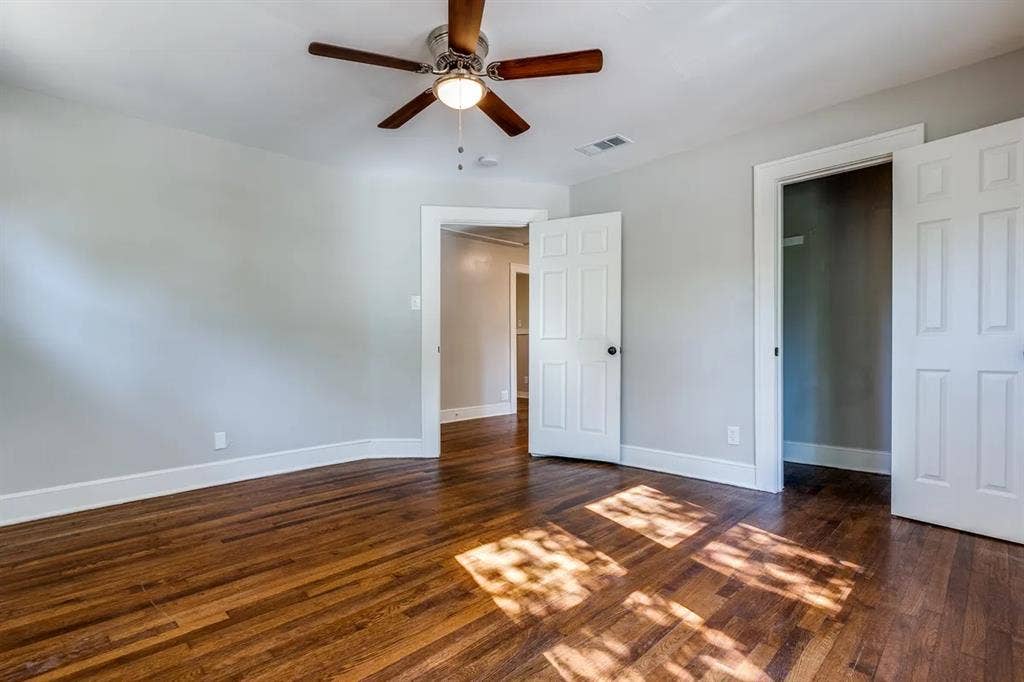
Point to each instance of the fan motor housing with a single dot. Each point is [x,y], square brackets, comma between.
[444,60]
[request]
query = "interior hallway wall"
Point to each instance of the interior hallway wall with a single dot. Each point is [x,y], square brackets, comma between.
[837,310]
[475,353]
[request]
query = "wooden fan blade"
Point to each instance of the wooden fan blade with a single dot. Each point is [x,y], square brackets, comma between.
[350,55]
[502,114]
[415,106]
[464,18]
[564,64]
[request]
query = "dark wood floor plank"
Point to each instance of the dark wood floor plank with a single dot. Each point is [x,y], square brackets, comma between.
[490,564]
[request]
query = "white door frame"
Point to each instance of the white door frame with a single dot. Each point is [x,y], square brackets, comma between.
[769,179]
[431,220]
[513,330]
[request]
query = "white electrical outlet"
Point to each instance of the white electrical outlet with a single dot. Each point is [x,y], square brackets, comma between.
[732,435]
[415,302]
[220,440]
[504,395]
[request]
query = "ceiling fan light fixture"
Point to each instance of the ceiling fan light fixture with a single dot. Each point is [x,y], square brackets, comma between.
[458,50]
[459,90]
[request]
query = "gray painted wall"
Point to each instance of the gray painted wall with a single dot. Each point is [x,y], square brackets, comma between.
[687,364]
[475,354]
[157,285]
[837,310]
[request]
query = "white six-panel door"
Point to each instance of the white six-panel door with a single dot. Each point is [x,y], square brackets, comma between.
[958,340]
[575,327]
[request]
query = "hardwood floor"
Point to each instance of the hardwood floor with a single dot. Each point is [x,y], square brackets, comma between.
[488,565]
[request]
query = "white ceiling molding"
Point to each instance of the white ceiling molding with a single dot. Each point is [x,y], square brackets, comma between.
[508,236]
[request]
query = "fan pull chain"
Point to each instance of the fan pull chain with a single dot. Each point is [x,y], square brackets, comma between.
[460,138]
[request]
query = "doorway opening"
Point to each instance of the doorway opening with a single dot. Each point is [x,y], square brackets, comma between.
[575,332]
[432,220]
[484,299]
[837,320]
[519,297]
[770,179]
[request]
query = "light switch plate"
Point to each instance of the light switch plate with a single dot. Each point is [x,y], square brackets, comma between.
[732,435]
[415,302]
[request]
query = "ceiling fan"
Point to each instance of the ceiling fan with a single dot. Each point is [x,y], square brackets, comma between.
[459,49]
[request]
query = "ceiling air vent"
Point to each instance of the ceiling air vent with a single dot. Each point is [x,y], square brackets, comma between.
[604,145]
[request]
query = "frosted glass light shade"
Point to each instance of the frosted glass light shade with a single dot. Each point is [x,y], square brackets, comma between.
[459,91]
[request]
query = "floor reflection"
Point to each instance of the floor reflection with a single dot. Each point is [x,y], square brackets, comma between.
[653,514]
[539,571]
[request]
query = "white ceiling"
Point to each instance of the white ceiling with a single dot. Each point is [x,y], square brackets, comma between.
[677,74]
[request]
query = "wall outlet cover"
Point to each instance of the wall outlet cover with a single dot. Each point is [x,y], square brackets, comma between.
[220,440]
[732,435]
[504,395]
[415,302]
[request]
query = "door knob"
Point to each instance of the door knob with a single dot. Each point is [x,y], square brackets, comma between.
[612,350]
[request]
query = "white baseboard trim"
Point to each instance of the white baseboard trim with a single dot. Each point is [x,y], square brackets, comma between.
[395,447]
[855,459]
[692,466]
[64,499]
[461,414]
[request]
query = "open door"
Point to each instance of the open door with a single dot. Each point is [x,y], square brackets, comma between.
[575,332]
[958,340]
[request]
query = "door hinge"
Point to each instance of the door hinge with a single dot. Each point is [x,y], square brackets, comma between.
[776,351]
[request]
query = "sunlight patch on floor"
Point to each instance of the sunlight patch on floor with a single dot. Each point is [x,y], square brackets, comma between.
[661,611]
[599,659]
[773,563]
[680,644]
[539,571]
[605,655]
[653,514]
